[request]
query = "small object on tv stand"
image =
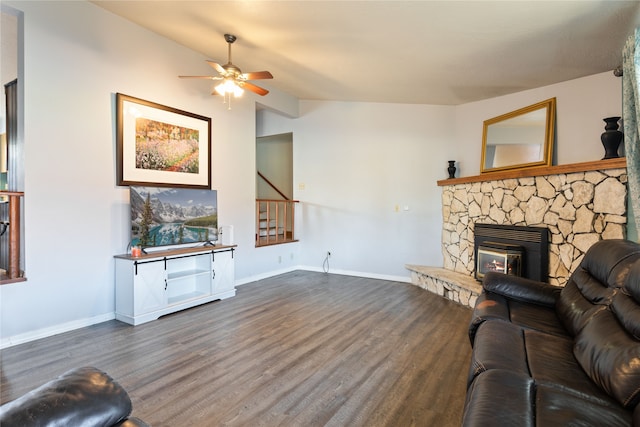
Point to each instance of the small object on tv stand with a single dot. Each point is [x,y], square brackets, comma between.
[225,235]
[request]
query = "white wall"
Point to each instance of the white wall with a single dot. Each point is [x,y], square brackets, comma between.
[581,105]
[77,56]
[357,162]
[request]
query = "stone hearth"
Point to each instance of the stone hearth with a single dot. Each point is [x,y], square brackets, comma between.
[457,287]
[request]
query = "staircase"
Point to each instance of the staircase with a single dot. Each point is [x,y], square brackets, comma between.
[274,221]
[274,217]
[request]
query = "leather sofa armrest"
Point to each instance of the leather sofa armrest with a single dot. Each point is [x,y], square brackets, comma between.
[83,396]
[488,306]
[521,289]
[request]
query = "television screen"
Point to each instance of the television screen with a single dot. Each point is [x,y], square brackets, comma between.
[173,216]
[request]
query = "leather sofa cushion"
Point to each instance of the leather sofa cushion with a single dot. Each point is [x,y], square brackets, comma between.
[543,357]
[580,299]
[626,304]
[556,408]
[503,398]
[489,352]
[492,306]
[551,362]
[81,397]
[610,356]
[628,313]
[604,270]
[539,318]
[632,285]
[609,261]
[511,392]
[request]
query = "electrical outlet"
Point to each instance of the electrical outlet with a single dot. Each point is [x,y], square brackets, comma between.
[279,259]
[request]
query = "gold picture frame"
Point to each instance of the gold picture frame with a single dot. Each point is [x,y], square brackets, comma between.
[519,139]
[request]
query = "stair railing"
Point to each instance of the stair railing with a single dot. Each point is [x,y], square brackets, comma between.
[270,184]
[13,273]
[274,218]
[275,221]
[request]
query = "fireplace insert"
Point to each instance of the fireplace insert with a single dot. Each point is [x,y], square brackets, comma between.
[532,242]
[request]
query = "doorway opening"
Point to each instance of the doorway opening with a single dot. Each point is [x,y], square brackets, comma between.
[275,207]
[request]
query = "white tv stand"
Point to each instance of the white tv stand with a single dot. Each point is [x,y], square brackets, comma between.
[163,282]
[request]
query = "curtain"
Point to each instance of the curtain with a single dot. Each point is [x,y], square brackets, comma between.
[631,119]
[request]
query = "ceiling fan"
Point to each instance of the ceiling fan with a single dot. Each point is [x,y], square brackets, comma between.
[233,80]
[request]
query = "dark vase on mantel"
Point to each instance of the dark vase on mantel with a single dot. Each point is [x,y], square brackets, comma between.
[611,138]
[452,169]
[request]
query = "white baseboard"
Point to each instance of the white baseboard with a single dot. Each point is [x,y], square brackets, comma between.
[261,276]
[54,330]
[403,279]
[244,281]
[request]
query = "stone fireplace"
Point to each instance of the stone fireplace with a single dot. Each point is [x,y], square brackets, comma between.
[579,204]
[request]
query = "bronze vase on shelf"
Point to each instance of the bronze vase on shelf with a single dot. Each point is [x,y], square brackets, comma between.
[611,138]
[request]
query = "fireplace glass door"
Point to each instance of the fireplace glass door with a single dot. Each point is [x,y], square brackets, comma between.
[503,258]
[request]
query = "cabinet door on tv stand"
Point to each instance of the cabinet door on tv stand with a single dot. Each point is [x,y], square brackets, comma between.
[223,272]
[149,288]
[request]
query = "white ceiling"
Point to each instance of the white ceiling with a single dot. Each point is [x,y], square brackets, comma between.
[426,52]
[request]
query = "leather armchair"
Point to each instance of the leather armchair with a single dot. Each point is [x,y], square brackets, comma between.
[81,397]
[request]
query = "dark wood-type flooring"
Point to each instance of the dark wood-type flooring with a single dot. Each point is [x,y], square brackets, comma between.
[299,349]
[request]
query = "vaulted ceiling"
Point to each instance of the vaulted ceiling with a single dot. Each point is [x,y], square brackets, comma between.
[426,52]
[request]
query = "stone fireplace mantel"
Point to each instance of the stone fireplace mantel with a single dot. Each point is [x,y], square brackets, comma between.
[579,203]
[620,162]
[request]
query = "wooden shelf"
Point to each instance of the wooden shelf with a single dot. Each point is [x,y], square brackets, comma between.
[620,162]
[159,253]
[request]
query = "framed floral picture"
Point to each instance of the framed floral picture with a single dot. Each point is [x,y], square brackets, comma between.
[161,146]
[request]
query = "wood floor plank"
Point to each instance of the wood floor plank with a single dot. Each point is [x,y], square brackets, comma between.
[299,349]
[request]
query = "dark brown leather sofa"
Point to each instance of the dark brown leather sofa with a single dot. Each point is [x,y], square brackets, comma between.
[549,356]
[81,397]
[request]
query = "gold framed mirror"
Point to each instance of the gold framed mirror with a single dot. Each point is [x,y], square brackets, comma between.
[519,139]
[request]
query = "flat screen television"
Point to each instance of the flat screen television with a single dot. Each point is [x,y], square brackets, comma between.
[162,217]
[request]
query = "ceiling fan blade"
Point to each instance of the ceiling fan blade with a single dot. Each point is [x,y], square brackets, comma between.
[255,89]
[216,67]
[257,75]
[201,77]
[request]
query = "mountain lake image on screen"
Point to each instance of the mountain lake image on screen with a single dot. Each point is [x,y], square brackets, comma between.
[173,216]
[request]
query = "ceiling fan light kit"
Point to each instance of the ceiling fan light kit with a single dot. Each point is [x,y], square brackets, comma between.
[234,81]
[229,87]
